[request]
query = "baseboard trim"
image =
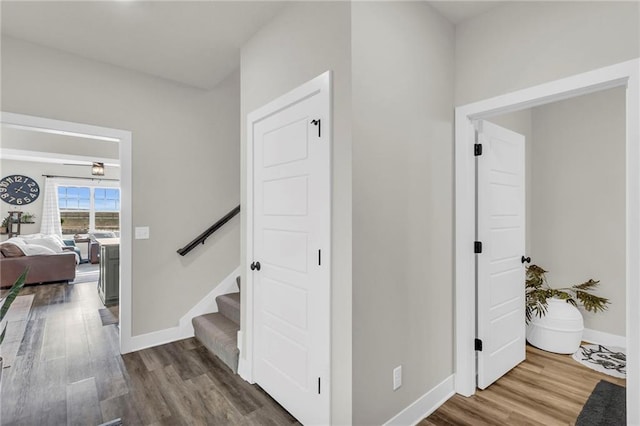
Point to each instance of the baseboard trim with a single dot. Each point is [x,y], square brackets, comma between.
[425,405]
[602,338]
[244,370]
[155,338]
[184,330]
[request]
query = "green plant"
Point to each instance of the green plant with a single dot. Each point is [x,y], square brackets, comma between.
[10,297]
[27,217]
[538,291]
[5,222]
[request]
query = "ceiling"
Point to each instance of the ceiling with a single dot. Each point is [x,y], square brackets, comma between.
[459,11]
[190,42]
[195,43]
[27,144]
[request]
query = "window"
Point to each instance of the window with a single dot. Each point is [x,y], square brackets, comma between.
[85,209]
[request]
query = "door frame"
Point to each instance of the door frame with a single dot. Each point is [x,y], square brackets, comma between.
[625,74]
[124,137]
[320,86]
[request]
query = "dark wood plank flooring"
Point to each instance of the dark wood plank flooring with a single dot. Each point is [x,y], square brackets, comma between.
[546,389]
[64,367]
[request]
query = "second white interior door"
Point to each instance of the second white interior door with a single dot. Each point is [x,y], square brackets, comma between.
[500,271]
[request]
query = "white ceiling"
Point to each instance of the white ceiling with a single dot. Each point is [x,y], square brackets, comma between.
[190,42]
[24,144]
[459,11]
[196,43]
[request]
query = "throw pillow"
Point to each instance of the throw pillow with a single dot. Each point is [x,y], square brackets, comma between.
[11,250]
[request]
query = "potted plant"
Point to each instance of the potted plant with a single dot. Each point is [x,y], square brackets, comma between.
[27,217]
[6,302]
[554,322]
[5,225]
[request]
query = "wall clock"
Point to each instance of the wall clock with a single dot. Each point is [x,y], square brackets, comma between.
[19,190]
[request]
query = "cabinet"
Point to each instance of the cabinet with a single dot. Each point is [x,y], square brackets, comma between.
[109,280]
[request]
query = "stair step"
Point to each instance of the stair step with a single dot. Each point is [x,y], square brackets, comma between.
[229,306]
[220,335]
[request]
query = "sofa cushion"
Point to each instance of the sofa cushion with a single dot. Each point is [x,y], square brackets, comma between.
[10,250]
[35,249]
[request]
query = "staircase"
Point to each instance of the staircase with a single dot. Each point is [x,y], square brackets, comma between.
[218,331]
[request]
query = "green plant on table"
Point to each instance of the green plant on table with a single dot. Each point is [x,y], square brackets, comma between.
[27,217]
[538,292]
[9,298]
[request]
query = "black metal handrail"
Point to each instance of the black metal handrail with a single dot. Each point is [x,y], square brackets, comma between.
[200,239]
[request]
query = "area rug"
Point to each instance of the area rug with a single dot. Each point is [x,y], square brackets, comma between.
[607,360]
[86,273]
[606,406]
[108,316]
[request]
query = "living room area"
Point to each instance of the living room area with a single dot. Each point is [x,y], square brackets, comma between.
[60,212]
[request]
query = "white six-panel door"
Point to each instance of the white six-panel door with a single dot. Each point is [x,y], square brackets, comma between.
[500,271]
[290,241]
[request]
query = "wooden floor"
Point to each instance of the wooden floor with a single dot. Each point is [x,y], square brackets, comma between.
[546,389]
[65,368]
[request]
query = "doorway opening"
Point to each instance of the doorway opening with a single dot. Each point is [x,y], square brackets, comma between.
[98,207]
[624,75]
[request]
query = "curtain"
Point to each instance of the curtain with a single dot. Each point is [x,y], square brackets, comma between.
[50,211]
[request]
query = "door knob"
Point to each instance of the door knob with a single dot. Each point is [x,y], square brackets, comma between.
[525,259]
[255,266]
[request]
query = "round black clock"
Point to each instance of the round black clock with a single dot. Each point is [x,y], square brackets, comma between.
[18,190]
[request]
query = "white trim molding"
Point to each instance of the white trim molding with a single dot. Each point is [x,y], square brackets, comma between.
[425,405]
[602,338]
[625,74]
[184,329]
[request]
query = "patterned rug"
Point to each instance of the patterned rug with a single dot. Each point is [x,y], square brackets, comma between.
[611,360]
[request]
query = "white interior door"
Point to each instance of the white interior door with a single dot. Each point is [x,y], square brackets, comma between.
[291,235]
[500,271]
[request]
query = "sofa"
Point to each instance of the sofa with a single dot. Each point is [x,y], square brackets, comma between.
[46,264]
[43,268]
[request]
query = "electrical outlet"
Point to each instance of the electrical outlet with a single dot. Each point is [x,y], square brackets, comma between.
[397,377]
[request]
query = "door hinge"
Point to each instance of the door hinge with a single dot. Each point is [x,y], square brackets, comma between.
[477,247]
[477,149]
[318,385]
[478,345]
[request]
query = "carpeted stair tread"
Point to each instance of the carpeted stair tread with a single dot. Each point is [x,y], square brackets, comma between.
[229,306]
[220,335]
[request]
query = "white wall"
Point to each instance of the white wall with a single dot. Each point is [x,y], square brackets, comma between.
[520,44]
[578,198]
[403,66]
[305,40]
[185,165]
[35,172]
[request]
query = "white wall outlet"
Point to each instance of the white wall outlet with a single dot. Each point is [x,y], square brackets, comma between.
[397,377]
[142,232]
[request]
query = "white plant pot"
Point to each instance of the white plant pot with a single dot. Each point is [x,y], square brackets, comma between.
[559,331]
